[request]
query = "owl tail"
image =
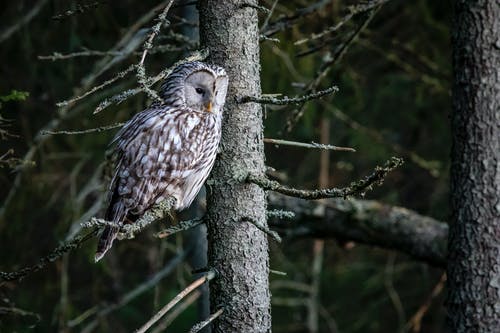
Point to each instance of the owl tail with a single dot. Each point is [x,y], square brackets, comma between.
[105,242]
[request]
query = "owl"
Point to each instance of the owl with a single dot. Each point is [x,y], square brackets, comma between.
[168,149]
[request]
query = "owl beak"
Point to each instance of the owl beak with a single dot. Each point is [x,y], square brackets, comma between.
[209,106]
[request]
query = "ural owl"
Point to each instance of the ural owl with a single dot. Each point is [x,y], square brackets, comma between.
[168,149]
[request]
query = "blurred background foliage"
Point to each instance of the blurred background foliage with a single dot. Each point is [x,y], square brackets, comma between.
[394,100]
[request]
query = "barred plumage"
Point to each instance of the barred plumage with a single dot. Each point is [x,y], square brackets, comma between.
[168,149]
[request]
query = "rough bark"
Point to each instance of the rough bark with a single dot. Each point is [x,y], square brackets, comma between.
[237,249]
[474,241]
[366,222]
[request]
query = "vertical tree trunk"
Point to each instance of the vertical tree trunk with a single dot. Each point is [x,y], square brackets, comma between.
[474,238]
[237,249]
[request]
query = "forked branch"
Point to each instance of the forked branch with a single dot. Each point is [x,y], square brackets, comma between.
[355,188]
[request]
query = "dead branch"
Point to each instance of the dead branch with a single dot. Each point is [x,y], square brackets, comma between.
[312,145]
[366,222]
[289,100]
[355,188]
[207,277]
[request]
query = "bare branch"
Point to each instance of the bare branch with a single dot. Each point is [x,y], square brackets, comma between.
[355,188]
[325,69]
[23,21]
[198,327]
[142,79]
[131,295]
[182,226]
[78,10]
[353,11]
[365,222]
[312,145]
[90,130]
[259,225]
[207,277]
[57,253]
[289,100]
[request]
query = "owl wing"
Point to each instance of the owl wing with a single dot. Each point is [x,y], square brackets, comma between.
[157,150]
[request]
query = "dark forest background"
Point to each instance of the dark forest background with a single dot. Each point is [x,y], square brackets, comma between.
[393,100]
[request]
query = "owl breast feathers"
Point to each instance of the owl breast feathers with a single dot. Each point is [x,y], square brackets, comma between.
[167,150]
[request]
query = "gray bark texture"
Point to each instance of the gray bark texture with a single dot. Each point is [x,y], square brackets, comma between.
[474,242]
[238,251]
[366,222]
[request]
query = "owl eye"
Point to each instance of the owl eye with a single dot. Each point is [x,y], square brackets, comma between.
[200,91]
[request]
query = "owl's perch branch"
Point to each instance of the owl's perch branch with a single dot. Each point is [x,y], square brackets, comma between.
[51,257]
[181,226]
[312,145]
[289,100]
[355,188]
[157,212]
[207,277]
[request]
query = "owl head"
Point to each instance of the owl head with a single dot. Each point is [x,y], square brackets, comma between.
[198,86]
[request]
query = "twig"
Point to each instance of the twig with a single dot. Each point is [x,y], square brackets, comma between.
[325,68]
[273,271]
[353,11]
[288,21]
[289,100]
[415,321]
[268,17]
[131,295]
[181,226]
[209,276]
[79,10]
[23,21]
[280,214]
[198,327]
[355,188]
[19,312]
[142,79]
[433,167]
[57,253]
[392,292]
[273,234]
[169,318]
[90,130]
[313,145]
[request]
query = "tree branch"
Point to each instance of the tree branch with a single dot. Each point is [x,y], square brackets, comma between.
[207,277]
[355,188]
[366,222]
[289,100]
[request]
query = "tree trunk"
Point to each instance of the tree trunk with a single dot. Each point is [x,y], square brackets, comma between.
[474,238]
[237,249]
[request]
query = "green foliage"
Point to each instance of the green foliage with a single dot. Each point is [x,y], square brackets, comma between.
[15,95]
